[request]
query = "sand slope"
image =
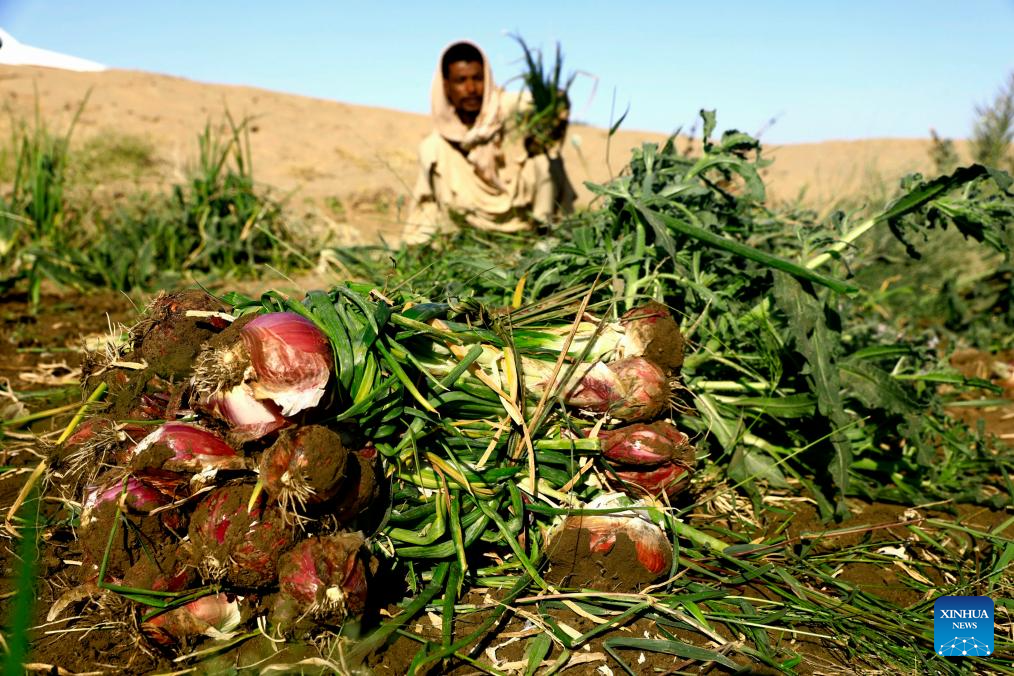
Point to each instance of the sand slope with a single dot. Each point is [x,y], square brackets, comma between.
[364,156]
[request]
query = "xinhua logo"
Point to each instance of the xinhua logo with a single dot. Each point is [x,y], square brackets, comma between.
[963,626]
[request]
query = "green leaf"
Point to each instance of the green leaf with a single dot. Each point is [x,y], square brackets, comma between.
[727,431]
[1003,564]
[709,118]
[875,387]
[737,141]
[663,223]
[754,184]
[749,464]
[324,316]
[925,192]
[613,128]
[537,651]
[819,346]
[788,406]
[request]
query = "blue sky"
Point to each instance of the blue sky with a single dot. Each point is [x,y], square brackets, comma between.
[826,70]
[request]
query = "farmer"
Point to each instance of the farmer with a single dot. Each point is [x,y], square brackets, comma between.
[473,167]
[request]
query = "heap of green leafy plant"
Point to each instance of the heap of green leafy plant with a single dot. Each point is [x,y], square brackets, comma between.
[791,378]
[794,387]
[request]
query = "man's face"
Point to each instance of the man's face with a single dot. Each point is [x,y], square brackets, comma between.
[463,86]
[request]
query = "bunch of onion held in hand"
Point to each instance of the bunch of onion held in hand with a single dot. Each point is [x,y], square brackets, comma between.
[543,122]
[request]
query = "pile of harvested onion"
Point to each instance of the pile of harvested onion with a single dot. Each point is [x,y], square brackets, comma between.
[221,478]
[216,479]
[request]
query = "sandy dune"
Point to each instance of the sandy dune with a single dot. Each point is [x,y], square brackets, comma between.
[319,150]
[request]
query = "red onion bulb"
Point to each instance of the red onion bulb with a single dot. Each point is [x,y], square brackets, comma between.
[185,448]
[305,466]
[324,577]
[235,543]
[630,389]
[279,366]
[214,616]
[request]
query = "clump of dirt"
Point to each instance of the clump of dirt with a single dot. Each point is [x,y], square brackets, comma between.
[170,571]
[881,581]
[576,564]
[98,443]
[136,537]
[168,340]
[261,655]
[360,489]
[150,380]
[223,361]
[653,328]
[155,455]
[231,334]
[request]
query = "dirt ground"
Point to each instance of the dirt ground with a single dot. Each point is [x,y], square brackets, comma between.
[40,354]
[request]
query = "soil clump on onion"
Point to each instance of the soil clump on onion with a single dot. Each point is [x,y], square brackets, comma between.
[360,489]
[136,537]
[229,337]
[652,328]
[306,465]
[168,340]
[155,455]
[574,564]
[165,343]
[170,571]
[238,544]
